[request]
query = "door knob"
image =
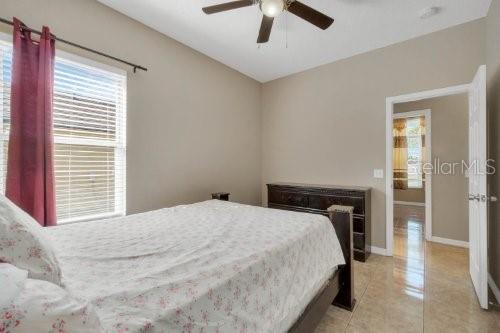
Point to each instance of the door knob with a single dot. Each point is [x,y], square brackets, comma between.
[473,197]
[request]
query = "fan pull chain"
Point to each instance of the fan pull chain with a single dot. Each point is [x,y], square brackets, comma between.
[286,29]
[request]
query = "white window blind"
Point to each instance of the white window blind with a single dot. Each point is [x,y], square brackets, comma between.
[89,137]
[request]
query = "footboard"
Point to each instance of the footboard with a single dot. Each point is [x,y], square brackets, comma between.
[341,217]
[340,287]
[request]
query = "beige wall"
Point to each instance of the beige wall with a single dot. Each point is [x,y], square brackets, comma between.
[327,124]
[410,195]
[194,124]
[449,129]
[493,70]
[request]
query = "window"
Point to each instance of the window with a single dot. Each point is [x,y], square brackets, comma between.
[415,158]
[89,136]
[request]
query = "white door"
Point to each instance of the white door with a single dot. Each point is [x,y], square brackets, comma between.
[478,200]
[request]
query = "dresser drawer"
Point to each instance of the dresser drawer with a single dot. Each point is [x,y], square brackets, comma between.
[359,241]
[323,202]
[358,224]
[288,198]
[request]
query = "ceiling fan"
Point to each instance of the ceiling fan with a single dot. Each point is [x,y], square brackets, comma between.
[273,8]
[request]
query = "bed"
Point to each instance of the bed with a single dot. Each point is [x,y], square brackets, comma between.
[213,266]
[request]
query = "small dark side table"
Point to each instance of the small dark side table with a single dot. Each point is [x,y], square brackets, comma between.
[221,196]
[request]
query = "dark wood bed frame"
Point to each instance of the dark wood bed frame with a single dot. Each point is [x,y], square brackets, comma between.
[339,289]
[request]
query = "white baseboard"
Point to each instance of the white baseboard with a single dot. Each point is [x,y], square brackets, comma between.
[494,288]
[409,203]
[448,241]
[379,251]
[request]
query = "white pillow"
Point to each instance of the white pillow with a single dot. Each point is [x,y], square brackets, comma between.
[23,244]
[42,306]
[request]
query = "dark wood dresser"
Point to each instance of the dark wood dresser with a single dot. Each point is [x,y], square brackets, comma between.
[317,198]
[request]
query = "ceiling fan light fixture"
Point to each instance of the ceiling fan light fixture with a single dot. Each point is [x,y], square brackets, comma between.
[272,8]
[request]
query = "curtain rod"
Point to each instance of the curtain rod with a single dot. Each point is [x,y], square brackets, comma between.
[134,66]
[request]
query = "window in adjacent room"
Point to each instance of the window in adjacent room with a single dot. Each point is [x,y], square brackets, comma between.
[415,151]
[409,150]
[89,136]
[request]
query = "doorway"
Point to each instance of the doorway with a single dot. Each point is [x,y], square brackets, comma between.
[412,150]
[412,132]
[475,204]
[393,104]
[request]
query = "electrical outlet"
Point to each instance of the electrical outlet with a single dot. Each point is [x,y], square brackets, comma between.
[378,173]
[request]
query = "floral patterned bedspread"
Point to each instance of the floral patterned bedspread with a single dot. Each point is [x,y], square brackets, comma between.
[213,266]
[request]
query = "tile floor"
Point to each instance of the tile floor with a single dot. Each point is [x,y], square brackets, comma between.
[425,287]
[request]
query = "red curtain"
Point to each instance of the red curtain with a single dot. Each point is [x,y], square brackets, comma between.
[30,166]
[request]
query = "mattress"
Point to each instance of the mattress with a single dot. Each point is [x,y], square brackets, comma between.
[212,266]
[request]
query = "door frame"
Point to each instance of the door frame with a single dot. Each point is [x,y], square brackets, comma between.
[428,149]
[389,192]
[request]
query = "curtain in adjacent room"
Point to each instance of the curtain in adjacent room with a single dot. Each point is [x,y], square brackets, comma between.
[400,155]
[30,166]
[424,154]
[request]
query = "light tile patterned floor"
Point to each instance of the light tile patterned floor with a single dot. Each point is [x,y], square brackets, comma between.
[425,287]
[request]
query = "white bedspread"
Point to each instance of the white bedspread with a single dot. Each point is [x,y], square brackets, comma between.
[208,267]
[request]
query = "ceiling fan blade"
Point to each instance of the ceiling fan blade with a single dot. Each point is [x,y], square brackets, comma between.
[310,15]
[265,29]
[227,6]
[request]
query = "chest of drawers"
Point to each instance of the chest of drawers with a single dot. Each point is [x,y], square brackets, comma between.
[317,198]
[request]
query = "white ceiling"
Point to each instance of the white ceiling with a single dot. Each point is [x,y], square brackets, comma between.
[360,26]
